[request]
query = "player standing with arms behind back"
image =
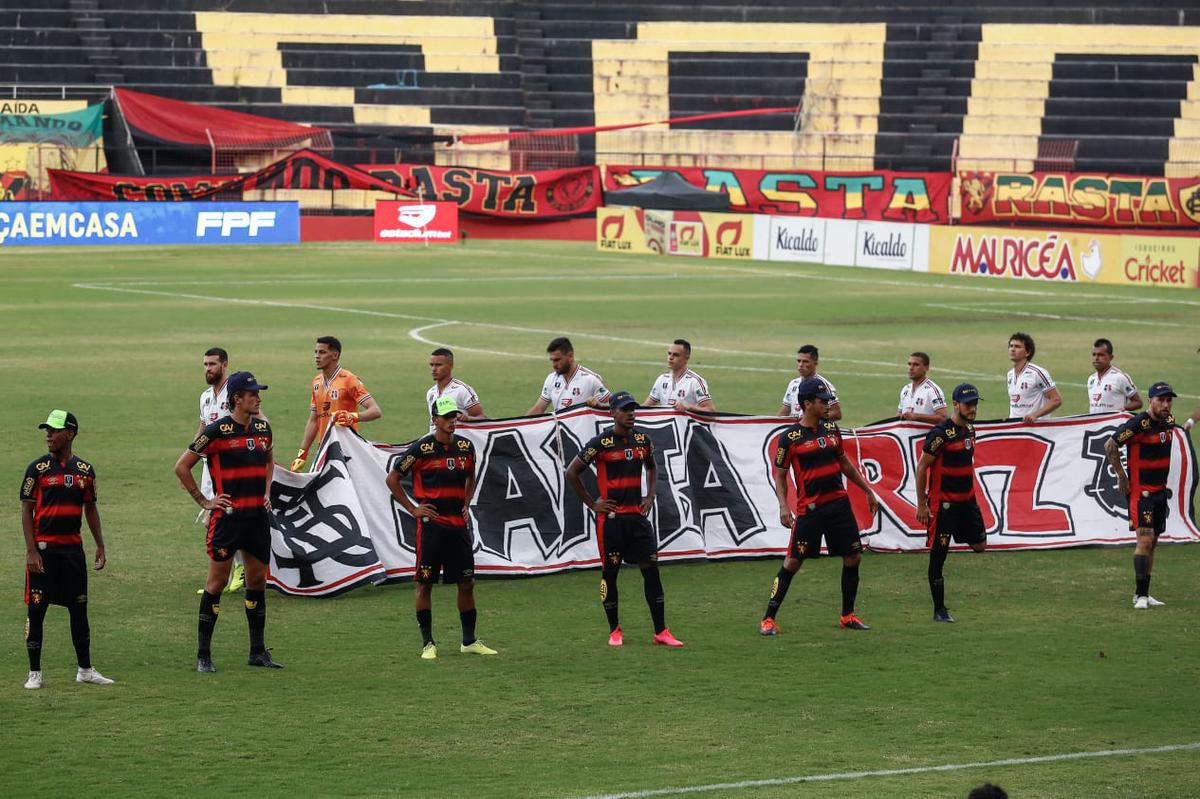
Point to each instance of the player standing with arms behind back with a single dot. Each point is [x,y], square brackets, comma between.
[680,387]
[1110,389]
[623,533]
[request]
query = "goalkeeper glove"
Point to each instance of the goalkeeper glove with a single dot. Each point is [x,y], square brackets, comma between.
[298,464]
[345,418]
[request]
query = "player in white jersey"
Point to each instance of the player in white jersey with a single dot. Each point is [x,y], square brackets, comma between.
[921,399]
[214,403]
[441,368]
[806,365]
[680,387]
[1031,391]
[1110,389]
[570,384]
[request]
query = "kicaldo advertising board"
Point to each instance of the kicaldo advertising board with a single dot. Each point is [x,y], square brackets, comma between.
[684,233]
[433,222]
[1058,256]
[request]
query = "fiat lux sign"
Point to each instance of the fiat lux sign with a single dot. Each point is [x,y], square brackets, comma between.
[429,222]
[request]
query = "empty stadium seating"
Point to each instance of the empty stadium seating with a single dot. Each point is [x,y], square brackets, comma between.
[923,85]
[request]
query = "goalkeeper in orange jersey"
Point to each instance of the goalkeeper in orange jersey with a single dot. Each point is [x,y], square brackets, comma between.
[338,396]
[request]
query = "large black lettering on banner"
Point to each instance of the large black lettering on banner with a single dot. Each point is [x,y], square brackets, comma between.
[314,530]
[718,493]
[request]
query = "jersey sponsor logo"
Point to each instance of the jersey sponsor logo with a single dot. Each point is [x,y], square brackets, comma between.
[226,428]
[83,467]
[333,394]
[68,480]
[250,444]
[628,454]
[43,466]
[427,447]
[451,464]
[27,488]
[201,442]
[463,444]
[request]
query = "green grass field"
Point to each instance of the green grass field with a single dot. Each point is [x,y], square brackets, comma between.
[1048,657]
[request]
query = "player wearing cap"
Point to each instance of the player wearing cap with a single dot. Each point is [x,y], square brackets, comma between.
[239,451]
[214,403]
[1031,391]
[445,384]
[569,383]
[57,493]
[1109,389]
[680,387]
[1148,438]
[807,358]
[921,399]
[621,454]
[442,466]
[812,449]
[336,392]
[948,459]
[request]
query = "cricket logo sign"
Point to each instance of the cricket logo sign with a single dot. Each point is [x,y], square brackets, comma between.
[435,222]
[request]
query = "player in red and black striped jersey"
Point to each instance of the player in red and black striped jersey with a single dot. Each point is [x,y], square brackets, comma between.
[621,454]
[241,461]
[442,466]
[57,493]
[947,504]
[812,450]
[1148,438]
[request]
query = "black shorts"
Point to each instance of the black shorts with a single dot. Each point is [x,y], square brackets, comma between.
[1151,512]
[835,522]
[626,536]
[961,521]
[249,531]
[64,579]
[445,551]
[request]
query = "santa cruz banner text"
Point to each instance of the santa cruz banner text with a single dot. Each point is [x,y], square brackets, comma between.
[1044,485]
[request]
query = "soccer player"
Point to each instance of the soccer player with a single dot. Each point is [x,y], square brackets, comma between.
[1031,391]
[57,493]
[569,382]
[1110,389]
[921,399]
[948,459]
[445,384]
[1148,437]
[442,466]
[240,457]
[214,403]
[812,449]
[621,454]
[679,386]
[336,392]
[807,358]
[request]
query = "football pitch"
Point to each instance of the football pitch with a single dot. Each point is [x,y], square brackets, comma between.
[1050,684]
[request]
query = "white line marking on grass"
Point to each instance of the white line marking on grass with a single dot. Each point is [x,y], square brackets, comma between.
[580,278]
[895,772]
[1009,310]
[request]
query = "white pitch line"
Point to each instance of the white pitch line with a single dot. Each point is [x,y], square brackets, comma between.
[1010,311]
[895,772]
[340,281]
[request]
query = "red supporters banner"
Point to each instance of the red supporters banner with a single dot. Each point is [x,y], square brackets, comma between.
[882,195]
[1072,198]
[303,170]
[543,194]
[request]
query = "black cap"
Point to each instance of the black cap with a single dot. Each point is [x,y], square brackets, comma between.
[60,420]
[1162,389]
[814,387]
[622,400]
[965,392]
[242,381]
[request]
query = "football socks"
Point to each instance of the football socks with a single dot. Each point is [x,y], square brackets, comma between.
[210,609]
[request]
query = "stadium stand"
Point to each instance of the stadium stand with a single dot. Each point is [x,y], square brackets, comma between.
[925,86]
